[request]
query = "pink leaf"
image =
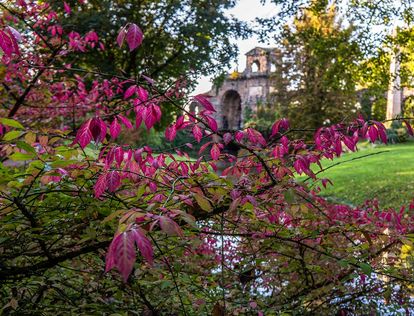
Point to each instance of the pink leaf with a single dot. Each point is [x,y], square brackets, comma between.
[170,132]
[115,128]
[239,136]
[98,129]
[204,102]
[100,185]
[409,128]
[125,121]
[110,257]
[121,254]
[282,124]
[325,182]
[113,181]
[142,94]
[119,155]
[143,244]
[148,117]
[372,133]
[202,148]
[15,33]
[121,36]
[211,123]
[197,133]
[130,91]
[215,152]
[227,137]
[170,227]
[67,8]
[348,141]
[84,135]
[134,36]
[6,43]
[382,134]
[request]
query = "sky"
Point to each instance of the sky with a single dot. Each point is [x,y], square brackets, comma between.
[246,10]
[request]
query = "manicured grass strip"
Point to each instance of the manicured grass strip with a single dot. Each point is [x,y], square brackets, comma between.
[382,172]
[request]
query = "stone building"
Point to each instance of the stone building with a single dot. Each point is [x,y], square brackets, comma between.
[243,90]
[396,94]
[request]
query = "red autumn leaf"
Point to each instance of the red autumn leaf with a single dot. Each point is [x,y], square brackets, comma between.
[12,31]
[202,148]
[121,254]
[227,137]
[67,8]
[239,136]
[100,185]
[121,36]
[279,125]
[197,133]
[215,152]
[409,128]
[125,121]
[170,132]
[130,91]
[349,142]
[98,129]
[6,43]
[134,36]
[113,181]
[143,244]
[142,94]
[211,123]
[119,155]
[382,133]
[202,99]
[115,128]
[372,133]
[84,135]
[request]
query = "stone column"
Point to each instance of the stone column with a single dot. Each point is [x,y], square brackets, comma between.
[394,95]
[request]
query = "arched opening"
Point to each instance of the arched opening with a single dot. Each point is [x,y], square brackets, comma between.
[231,110]
[255,66]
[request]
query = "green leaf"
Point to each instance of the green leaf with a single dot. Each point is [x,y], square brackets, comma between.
[21,156]
[62,163]
[343,263]
[203,202]
[10,122]
[366,268]
[289,196]
[12,135]
[25,146]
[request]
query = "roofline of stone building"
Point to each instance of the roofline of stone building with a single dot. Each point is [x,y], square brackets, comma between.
[267,49]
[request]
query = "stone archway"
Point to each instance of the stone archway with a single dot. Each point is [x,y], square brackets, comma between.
[231,110]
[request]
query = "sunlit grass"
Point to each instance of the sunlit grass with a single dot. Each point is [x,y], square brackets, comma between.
[387,175]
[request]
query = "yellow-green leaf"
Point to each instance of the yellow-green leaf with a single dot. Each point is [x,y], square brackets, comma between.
[10,122]
[21,156]
[25,146]
[12,135]
[203,202]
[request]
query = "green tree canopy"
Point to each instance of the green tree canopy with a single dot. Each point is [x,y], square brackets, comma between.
[319,69]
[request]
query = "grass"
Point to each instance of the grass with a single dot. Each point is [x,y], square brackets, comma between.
[386,174]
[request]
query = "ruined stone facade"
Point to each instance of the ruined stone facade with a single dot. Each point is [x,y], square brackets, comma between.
[243,90]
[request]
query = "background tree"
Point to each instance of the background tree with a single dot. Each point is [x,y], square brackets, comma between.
[320,69]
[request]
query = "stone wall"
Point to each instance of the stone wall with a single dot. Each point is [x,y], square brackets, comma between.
[244,90]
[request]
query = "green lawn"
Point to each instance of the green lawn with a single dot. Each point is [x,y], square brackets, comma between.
[388,176]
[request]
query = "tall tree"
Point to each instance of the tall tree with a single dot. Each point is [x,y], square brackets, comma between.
[320,67]
[181,36]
